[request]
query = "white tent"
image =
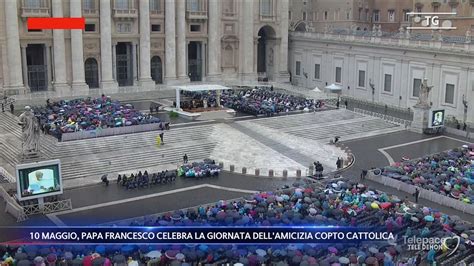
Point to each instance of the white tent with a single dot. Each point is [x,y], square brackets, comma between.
[333,88]
[316,89]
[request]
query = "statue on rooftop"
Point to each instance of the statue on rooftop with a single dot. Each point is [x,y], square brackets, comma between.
[423,99]
[30,131]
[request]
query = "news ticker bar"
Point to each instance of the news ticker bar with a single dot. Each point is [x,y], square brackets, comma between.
[194,235]
[56,23]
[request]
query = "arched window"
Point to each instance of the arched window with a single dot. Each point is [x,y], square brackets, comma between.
[156,70]
[92,73]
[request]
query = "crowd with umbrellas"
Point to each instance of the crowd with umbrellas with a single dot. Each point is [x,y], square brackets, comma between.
[266,101]
[339,204]
[449,173]
[87,114]
[206,168]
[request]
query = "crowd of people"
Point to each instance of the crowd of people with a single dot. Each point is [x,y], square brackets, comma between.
[449,173]
[266,101]
[145,180]
[87,114]
[206,168]
[341,203]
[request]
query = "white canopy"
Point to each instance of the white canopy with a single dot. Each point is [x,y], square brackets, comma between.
[333,88]
[316,89]
[203,87]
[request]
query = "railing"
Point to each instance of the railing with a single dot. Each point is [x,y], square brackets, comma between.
[196,14]
[231,14]
[424,193]
[419,41]
[265,17]
[38,8]
[7,175]
[377,108]
[157,13]
[90,12]
[49,207]
[125,13]
[388,118]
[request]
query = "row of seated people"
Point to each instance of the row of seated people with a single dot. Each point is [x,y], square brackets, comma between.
[142,180]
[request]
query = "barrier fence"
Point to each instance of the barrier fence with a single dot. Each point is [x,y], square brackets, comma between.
[388,118]
[109,132]
[389,110]
[424,193]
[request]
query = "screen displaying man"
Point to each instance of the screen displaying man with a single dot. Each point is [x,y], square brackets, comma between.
[40,181]
[438,118]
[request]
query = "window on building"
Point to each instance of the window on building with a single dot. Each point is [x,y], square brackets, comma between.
[367,17]
[317,71]
[391,15]
[406,16]
[338,75]
[34,30]
[416,87]
[304,15]
[298,68]
[32,3]
[376,15]
[122,4]
[325,15]
[348,15]
[454,10]
[387,84]
[360,13]
[266,7]
[155,5]
[362,78]
[89,27]
[449,94]
[156,27]
[195,28]
[88,4]
[193,5]
[289,15]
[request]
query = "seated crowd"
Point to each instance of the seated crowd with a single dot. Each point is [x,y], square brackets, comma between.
[142,180]
[266,101]
[199,99]
[339,204]
[207,168]
[448,173]
[66,116]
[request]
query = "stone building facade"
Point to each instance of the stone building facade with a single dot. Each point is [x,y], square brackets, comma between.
[388,69]
[141,43]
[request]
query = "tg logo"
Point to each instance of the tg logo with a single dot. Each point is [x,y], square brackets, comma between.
[431,21]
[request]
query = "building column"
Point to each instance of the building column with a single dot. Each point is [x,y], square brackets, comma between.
[181,41]
[283,52]
[49,65]
[145,80]
[79,86]
[114,61]
[134,64]
[214,41]
[246,38]
[107,83]
[60,82]
[24,67]
[13,49]
[170,42]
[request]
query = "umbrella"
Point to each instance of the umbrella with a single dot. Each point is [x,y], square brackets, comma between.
[153,254]
[429,218]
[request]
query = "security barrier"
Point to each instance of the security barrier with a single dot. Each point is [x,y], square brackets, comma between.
[425,194]
[109,132]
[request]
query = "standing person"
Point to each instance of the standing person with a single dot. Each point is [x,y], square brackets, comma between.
[338,163]
[363,174]
[337,104]
[161,138]
[416,194]
[346,104]
[12,108]
[151,109]
[3,107]
[185,158]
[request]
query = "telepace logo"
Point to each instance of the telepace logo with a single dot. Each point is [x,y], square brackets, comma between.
[431,20]
[445,244]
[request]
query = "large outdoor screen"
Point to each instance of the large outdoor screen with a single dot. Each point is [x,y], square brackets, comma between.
[437,118]
[41,179]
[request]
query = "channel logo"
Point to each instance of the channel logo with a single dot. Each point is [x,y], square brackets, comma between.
[431,21]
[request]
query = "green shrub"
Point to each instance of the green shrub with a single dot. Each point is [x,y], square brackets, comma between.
[173,114]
